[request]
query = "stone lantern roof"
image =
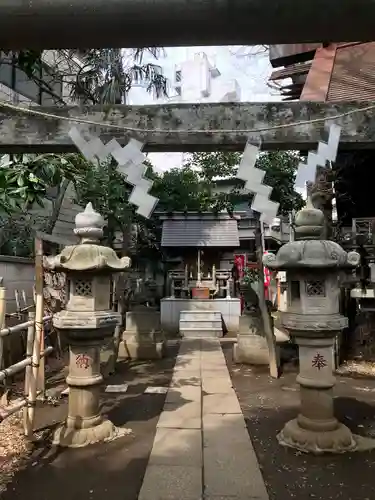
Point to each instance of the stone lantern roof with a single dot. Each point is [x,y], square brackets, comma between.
[309,251]
[88,255]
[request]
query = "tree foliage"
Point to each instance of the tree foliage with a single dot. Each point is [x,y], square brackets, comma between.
[192,186]
[180,189]
[93,76]
[25,179]
[106,76]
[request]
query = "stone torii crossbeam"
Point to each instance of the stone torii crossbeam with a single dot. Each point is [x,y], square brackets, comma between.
[140,23]
[171,127]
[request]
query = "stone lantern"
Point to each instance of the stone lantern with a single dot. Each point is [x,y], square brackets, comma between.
[86,322]
[312,318]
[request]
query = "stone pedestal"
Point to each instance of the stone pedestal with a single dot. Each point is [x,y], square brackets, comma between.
[143,338]
[251,347]
[84,424]
[316,429]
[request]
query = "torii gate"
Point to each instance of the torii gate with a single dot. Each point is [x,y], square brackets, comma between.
[42,24]
[189,127]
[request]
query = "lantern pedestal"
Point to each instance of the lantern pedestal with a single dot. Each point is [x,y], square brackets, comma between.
[84,424]
[316,430]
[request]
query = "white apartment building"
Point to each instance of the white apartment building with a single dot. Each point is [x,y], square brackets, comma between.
[195,79]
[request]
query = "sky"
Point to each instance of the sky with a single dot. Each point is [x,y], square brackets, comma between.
[251,72]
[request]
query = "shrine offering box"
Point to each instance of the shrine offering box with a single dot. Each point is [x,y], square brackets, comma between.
[200,293]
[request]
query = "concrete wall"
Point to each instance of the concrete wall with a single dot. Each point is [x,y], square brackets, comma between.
[17,274]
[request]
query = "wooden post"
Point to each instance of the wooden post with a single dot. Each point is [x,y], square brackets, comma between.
[39,313]
[117,335]
[199,276]
[268,330]
[28,427]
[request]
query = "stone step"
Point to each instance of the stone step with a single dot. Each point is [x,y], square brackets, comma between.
[198,315]
[201,323]
[201,333]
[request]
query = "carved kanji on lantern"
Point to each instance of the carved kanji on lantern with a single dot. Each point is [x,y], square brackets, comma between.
[83,361]
[319,361]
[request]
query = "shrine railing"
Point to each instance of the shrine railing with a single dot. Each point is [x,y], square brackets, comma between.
[219,284]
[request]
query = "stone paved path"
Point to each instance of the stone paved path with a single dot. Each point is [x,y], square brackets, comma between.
[202,449]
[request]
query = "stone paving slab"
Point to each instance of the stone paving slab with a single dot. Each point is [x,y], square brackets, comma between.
[216,385]
[184,416]
[177,447]
[186,392]
[227,423]
[201,433]
[179,380]
[221,403]
[187,372]
[166,482]
[232,471]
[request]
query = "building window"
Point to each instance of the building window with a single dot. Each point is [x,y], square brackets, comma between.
[18,81]
[178,90]
[247,223]
[178,76]
[315,288]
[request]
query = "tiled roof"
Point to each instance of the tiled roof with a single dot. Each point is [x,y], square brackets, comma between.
[200,233]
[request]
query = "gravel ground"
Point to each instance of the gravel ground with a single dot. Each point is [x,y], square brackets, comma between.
[15,449]
[267,404]
[112,470]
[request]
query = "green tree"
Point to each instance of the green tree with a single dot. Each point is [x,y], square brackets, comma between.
[94,76]
[280,169]
[181,189]
[26,180]
[105,187]
[98,76]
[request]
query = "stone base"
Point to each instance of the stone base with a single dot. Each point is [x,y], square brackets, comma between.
[338,440]
[142,347]
[69,437]
[251,349]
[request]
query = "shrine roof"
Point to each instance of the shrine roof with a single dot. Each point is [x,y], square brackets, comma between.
[200,232]
[192,215]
